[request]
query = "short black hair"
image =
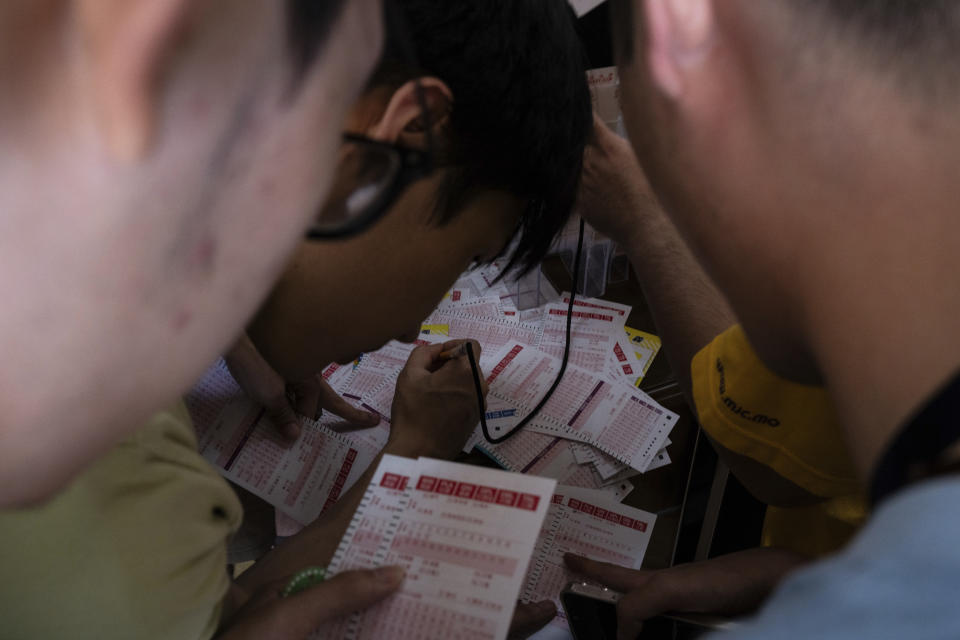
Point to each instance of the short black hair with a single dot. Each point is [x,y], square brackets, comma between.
[521,107]
[308,25]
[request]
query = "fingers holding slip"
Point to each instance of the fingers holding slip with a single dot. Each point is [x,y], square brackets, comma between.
[642,598]
[267,616]
[436,406]
[528,618]
[283,400]
[330,400]
[609,575]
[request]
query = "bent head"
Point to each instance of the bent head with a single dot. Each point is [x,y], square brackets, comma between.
[161,160]
[773,132]
[509,112]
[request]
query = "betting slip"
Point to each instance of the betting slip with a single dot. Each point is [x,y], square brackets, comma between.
[595,433]
[587,523]
[465,536]
[300,480]
[612,416]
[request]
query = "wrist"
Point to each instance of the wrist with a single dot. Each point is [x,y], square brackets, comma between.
[669,594]
[408,447]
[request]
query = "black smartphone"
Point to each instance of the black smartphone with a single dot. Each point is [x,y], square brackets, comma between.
[591,611]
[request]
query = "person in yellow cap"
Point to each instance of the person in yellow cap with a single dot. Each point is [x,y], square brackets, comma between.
[781,439]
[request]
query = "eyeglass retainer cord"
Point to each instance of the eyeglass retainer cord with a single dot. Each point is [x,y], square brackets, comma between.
[563,365]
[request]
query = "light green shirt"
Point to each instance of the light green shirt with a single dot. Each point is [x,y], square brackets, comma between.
[134,548]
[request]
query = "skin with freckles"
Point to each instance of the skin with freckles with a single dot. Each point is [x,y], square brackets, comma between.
[806,153]
[161,159]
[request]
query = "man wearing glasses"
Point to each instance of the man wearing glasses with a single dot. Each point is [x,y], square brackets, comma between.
[160,160]
[135,546]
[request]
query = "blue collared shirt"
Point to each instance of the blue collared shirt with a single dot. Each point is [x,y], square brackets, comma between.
[899,579]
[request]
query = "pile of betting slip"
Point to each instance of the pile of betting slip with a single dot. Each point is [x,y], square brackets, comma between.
[472,540]
[598,429]
[596,432]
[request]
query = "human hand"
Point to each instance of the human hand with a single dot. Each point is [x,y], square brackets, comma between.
[267,616]
[641,599]
[435,408]
[284,400]
[528,618]
[729,585]
[614,192]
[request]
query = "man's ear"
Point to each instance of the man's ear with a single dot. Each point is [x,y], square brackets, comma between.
[402,121]
[126,44]
[680,35]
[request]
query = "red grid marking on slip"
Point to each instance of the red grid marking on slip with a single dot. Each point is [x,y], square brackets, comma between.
[311,460]
[367,540]
[621,356]
[581,303]
[394,481]
[341,479]
[582,314]
[507,359]
[329,371]
[481,493]
[409,617]
[609,516]
[239,436]
[450,554]
[596,551]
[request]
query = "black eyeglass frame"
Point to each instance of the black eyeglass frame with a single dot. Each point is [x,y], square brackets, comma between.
[415,164]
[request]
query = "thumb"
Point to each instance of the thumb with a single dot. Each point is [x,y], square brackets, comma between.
[332,402]
[270,617]
[284,417]
[424,358]
[610,575]
[341,595]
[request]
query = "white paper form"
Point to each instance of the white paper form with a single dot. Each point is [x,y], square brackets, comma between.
[593,336]
[491,333]
[612,416]
[505,288]
[337,376]
[364,544]
[537,454]
[533,453]
[620,311]
[589,524]
[373,381]
[520,451]
[380,400]
[489,306]
[375,522]
[586,477]
[465,289]
[627,362]
[301,480]
[465,536]
[371,369]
